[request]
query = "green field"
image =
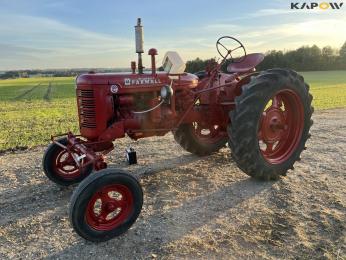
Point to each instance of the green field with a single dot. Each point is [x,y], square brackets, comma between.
[327,87]
[33,109]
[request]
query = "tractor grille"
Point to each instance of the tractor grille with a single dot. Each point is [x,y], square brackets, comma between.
[86,104]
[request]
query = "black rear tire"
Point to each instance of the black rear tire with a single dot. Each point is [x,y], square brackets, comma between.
[93,185]
[245,122]
[49,161]
[186,137]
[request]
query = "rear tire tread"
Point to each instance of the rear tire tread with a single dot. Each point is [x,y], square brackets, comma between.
[244,120]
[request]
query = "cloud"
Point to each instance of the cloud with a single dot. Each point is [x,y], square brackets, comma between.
[277,11]
[34,39]
[262,13]
[282,12]
[311,31]
[259,34]
[305,30]
[39,42]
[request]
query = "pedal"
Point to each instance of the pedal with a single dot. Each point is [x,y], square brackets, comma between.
[131,156]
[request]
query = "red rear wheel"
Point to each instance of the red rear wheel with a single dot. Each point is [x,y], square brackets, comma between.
[208,134]
[201,139]
[270,123]
[281,126]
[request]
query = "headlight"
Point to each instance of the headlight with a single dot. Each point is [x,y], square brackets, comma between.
[166,92]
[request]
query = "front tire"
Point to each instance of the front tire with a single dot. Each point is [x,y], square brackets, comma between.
[270,123]
[60,167]
[105,205]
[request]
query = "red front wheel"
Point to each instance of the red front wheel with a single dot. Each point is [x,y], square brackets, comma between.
[60,166]
[270,124]
[105,205]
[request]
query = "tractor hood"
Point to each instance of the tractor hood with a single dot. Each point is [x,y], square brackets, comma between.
[130,80]
[120,78]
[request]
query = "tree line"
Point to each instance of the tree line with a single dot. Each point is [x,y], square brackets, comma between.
[305,58]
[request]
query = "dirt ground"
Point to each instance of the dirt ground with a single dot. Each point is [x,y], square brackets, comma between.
[193,207]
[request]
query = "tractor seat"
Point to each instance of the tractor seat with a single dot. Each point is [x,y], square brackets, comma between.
[248,63]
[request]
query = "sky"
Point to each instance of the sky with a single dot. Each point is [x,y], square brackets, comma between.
[41,34]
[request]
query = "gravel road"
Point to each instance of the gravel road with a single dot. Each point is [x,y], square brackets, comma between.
[193,207]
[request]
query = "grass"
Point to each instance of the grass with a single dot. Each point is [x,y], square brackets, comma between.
[327,87]
[30,112]
[33,109]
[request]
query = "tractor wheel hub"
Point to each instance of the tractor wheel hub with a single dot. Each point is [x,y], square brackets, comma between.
[272,124]
[110,207]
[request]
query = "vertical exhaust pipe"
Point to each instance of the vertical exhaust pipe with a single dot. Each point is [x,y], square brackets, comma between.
[139,44]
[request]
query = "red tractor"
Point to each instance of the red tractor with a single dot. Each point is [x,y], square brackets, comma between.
[265,118]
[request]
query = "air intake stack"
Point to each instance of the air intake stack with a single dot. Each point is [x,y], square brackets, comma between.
[139,44]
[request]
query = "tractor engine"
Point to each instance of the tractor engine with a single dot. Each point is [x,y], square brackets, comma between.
[126,102]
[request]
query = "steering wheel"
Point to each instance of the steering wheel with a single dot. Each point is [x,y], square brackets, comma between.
[229,51]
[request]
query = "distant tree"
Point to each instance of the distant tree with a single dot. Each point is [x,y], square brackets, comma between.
[194,65]
[327,51]
[305,58]
[342,51]
[198,65]
[342,58]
